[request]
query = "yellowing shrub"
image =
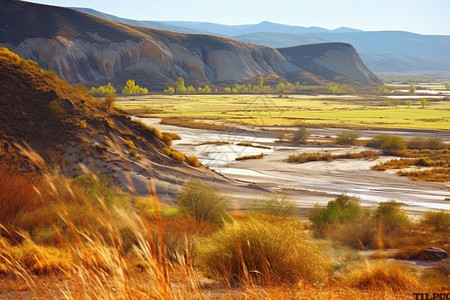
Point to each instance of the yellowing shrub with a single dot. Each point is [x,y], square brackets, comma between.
[255,251]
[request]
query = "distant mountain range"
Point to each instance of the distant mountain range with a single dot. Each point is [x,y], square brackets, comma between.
[381,51]
[89,49]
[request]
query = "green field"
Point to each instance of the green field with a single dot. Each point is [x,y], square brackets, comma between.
[358,111]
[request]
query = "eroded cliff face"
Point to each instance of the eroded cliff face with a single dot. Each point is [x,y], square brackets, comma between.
[90,50]
[84,61]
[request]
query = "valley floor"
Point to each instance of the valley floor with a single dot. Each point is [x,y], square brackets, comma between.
[313,182]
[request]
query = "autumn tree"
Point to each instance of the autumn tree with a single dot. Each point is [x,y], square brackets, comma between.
[408,103]
[170,90]
[102,90]
[280,88]
[179,86]
[132,88]
[423,102]
[260,81]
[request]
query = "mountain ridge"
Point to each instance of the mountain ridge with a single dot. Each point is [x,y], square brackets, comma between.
[88,49]
[381,51]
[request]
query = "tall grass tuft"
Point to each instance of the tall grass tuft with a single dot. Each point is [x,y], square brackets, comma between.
[257,252]
[381,276]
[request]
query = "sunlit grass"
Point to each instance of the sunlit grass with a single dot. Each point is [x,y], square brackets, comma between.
[361,111]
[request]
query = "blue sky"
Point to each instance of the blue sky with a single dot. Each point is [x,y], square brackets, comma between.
[419,16]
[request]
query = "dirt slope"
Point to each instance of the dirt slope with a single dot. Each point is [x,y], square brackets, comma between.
[72,131]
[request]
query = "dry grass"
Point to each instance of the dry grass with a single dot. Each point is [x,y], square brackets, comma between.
[381,276]
[436,162]
[257,252]
[245,157]
[192,123]
[248,144]
[308,157]
[435,174]
[16,195]
[105,249]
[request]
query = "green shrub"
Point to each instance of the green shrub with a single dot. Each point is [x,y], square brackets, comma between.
[390,144]
[260,252]
[426,143]
[132,88]
[279,205]
[202,202]
[440,221]
[301,136]
[391,217]
[344,209]
[102,90]
[347,138]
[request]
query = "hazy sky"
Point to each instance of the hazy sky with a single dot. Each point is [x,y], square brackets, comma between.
[419,16]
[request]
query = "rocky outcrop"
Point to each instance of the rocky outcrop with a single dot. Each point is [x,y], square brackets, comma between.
[333,61]
[87,49]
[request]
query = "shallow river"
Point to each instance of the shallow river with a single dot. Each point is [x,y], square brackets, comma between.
[309,183]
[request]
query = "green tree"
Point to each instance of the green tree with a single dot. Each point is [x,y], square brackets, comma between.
[132,88]
[102,90]
[179,86]
[383,90]
[412,89]
[408,103]
[206,89]
[260,81]
[423,102]
[227,90]
[191,89]
[202,202]
[170,90]
[447,87]
[280,88]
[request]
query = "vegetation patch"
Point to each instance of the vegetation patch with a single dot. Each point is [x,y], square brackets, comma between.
[254,251]
[245,157]
[192,123]
[308,157]
[248,144]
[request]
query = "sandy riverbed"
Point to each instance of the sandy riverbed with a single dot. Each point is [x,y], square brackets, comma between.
[309,183]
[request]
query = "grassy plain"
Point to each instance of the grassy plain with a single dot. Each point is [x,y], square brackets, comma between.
[346,111]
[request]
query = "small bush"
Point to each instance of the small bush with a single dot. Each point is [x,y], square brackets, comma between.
[193,161]
[440,221]
[174,154]
[424,162]
[278,205]
[343,209]
[202,202]
[259,252]
[381,276]
[300,136]
[390,144]
[245,157]
[426,143]
[391,217]
[347,138]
